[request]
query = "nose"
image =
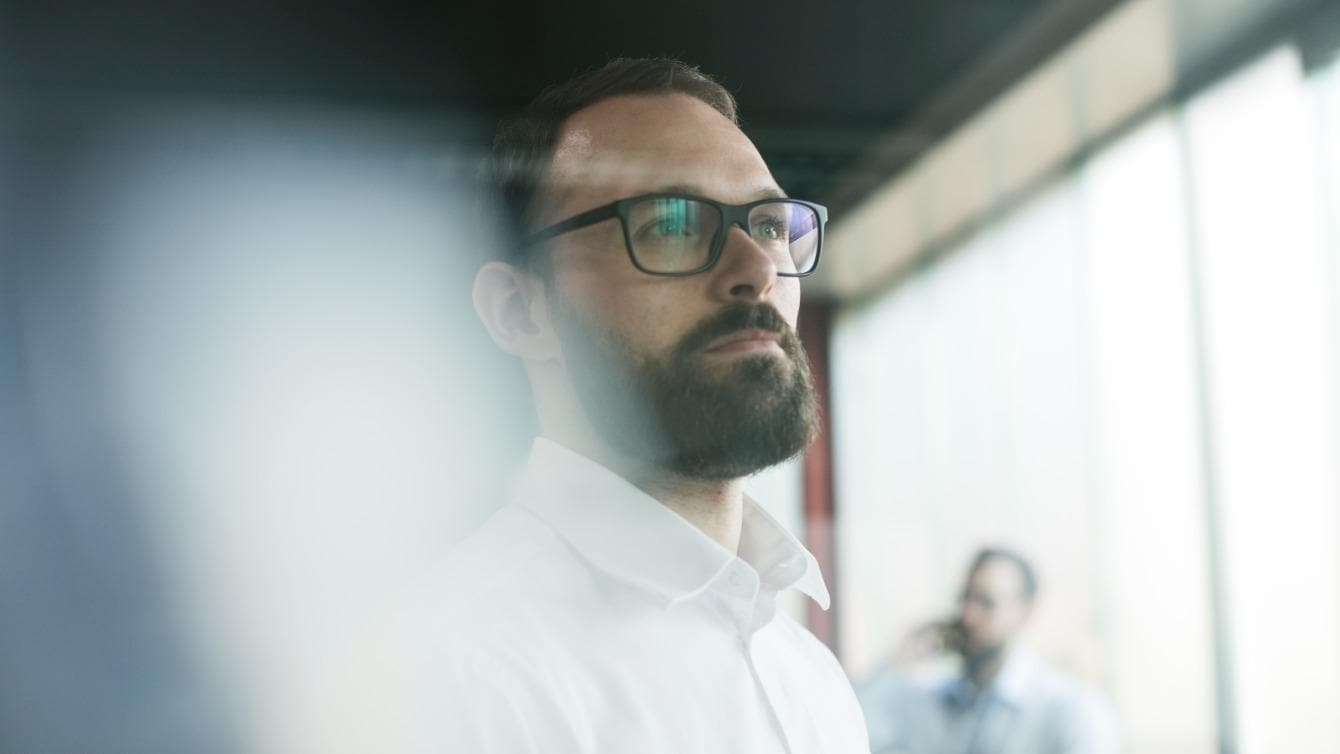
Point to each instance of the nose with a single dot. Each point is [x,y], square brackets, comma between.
[745,272]
[969,615]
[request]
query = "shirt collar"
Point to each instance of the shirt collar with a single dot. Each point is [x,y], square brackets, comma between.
[780,559]
[1015,681]
[628,534]
[1012,685]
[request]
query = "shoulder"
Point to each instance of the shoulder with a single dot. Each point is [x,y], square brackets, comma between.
[1062,691]
[802,641]
[514,574]
[508,549]
[811,663]
[1080,716]
[453,655]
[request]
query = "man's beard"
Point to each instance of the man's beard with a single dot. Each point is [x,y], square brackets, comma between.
[680,414]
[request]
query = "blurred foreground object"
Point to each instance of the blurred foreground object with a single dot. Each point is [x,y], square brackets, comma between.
[237,405]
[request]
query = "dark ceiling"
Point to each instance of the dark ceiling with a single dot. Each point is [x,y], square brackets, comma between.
[836,94]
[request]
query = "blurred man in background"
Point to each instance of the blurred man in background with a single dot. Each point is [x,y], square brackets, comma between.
[626,600]
[1004,700]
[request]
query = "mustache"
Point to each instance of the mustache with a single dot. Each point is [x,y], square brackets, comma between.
[734,318]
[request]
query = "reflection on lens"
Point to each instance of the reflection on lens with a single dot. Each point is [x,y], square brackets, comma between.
[803,237]
[672,234]
[786,229]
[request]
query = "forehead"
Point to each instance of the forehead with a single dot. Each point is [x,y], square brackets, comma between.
[997,576]
[625,146]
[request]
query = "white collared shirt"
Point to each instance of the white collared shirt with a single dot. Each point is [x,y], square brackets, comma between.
[587,618]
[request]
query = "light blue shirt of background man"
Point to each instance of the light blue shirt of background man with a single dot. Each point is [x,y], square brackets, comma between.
[1005,701]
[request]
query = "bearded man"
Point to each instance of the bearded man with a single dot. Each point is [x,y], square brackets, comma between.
[625,600]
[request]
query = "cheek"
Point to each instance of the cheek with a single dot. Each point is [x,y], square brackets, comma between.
[646,312]
[654,317]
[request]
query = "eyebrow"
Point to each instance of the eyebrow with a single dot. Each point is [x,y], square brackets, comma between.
[763,192]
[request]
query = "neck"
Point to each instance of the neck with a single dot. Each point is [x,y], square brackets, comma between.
[982,669]
[716,508]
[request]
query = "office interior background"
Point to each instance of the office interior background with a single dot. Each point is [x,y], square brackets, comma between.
[1080,296]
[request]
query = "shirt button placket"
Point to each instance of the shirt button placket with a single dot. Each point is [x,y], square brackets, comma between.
[763,676]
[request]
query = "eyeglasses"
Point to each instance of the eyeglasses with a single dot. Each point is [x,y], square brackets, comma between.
[680,234]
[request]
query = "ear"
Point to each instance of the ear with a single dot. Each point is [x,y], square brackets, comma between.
[511,303]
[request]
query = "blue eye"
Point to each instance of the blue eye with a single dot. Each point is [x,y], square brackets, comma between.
[671,227]
[770,228]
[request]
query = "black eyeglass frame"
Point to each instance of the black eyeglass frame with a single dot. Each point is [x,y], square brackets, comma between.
[732,215]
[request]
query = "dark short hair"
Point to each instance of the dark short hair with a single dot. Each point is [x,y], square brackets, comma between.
[1027,575]
[523,146]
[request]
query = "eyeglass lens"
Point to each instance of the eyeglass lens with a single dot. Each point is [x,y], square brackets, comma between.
[674,234]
